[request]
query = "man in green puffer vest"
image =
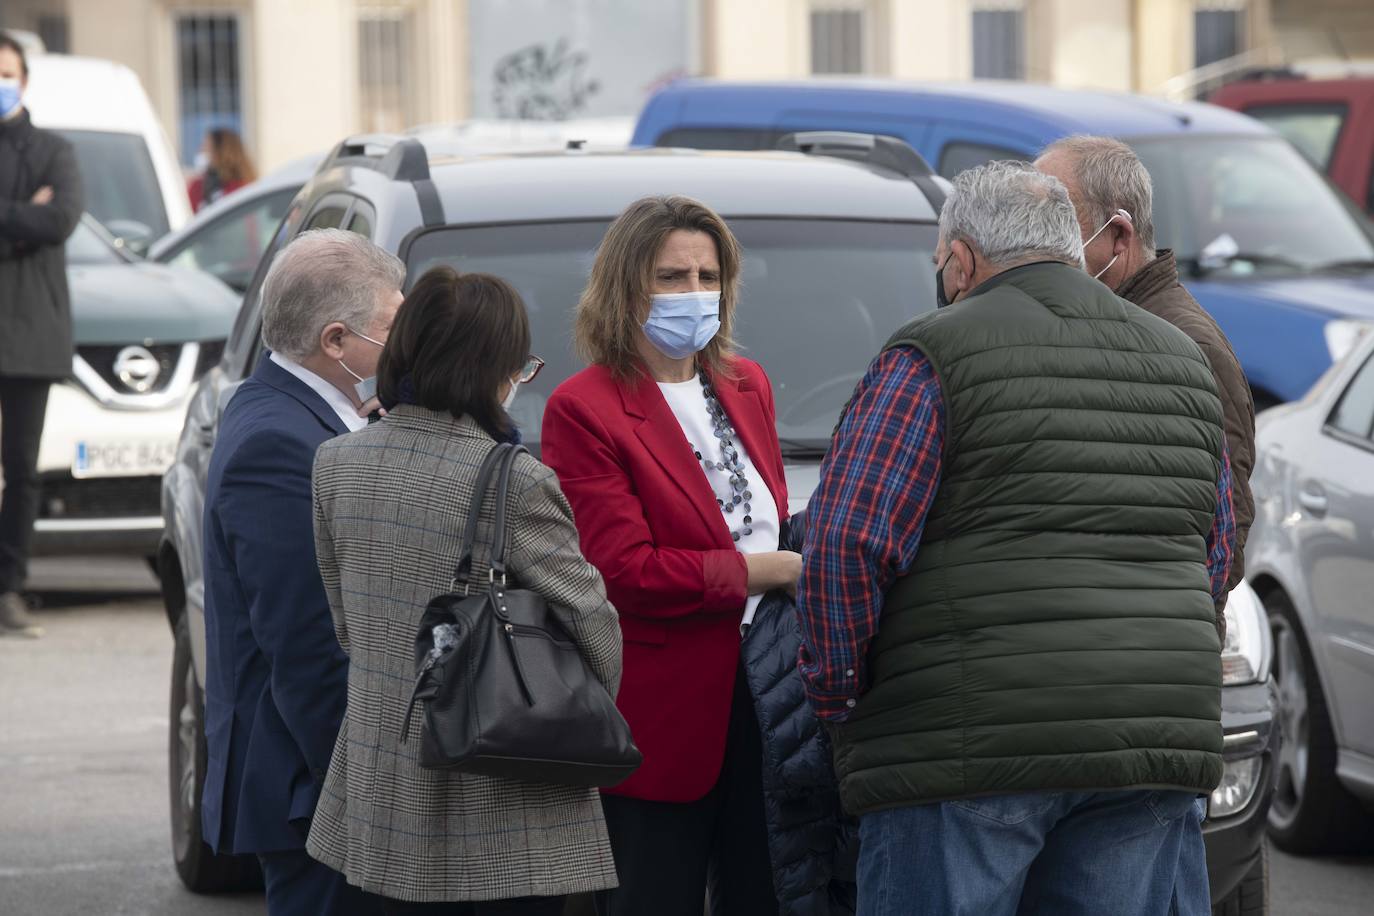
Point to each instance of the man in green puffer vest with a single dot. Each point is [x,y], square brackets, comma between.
[1008,587]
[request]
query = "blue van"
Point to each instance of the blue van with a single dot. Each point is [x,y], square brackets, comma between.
[1282,260]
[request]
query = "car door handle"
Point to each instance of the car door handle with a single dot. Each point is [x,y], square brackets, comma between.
[1313,498]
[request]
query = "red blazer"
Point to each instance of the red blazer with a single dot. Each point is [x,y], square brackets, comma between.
[649,522]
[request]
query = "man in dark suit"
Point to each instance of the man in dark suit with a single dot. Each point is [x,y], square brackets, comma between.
[276,678]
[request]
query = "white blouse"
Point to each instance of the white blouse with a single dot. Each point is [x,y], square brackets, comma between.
[688,403]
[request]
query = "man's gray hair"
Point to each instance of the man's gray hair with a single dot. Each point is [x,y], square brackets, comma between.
[1110,177]
[322,276]
[1011,213]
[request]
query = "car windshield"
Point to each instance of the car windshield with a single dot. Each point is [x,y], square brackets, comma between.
[230,246]
[86,245]
[118,181]
[1242,205]
[818,299]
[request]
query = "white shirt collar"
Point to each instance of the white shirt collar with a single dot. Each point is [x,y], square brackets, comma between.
[325,389]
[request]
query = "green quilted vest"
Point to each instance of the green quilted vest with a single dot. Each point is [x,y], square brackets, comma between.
[1057,630]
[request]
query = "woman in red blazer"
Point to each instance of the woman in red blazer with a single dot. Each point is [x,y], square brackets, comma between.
[667,450]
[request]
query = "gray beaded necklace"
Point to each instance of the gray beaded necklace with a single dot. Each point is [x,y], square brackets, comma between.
[740,495]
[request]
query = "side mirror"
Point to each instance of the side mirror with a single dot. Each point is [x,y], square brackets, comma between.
[130,235]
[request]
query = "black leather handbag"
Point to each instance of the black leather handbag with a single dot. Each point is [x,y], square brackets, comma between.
[505,691]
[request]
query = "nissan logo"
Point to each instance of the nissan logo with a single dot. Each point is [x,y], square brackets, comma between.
[137,369]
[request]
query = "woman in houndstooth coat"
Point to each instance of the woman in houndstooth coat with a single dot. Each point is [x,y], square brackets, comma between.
[391,501]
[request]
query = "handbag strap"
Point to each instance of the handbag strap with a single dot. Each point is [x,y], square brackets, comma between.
[498,542]
[479,493]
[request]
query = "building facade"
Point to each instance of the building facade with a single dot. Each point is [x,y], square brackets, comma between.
[293,76]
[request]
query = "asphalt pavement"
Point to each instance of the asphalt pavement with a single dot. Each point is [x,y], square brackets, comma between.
[83,765]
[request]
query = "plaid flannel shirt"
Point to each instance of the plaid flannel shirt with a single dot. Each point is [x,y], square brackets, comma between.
[865,522]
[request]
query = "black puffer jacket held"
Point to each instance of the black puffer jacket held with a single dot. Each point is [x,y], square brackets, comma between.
[814,848]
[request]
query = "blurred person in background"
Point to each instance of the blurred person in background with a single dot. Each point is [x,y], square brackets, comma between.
[223,165]
[40,205]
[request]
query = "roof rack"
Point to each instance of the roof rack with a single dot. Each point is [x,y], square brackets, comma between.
[400,158]
[873,149]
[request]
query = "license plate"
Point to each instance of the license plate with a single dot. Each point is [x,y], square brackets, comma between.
[123,458]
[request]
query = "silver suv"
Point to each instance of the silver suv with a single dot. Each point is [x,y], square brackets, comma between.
[838,236]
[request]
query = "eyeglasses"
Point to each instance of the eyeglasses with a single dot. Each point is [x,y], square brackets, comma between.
[530,370]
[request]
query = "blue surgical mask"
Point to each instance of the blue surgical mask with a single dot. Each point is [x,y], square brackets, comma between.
[10,95]
[682,324]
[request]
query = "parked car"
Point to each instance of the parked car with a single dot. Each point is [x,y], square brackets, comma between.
[227,238]
[1331,122]
[1269,249]
[827,277]
[1311,559]
[145,334]
[132,182]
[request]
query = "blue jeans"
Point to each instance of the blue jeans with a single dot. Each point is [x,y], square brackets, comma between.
[1059,853]
[1192,889]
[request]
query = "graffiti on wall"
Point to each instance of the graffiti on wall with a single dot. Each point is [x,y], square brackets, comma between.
[543,82]
[575,59]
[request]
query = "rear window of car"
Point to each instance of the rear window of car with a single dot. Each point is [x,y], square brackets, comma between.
[960,156]
[818,299]
[118,180]
[1313,129]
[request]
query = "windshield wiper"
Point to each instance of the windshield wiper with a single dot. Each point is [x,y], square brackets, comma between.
[803,449]
[1202,266]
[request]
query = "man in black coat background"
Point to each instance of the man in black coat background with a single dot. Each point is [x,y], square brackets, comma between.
[40,205]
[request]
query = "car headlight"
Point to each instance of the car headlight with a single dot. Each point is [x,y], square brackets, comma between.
[1239,780]
[1245,655]
[1342,336]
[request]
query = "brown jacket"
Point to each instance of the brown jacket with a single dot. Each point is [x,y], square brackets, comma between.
[1156,289]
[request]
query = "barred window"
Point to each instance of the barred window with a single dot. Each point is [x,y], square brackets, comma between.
[1218,30]
[209,89]
[55,33]
[837,39]
[385,76]
[999,40]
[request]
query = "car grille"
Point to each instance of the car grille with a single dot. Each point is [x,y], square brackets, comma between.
[102,360]
[65,497]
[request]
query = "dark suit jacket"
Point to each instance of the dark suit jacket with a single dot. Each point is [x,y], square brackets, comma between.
[650,523]
[276,678]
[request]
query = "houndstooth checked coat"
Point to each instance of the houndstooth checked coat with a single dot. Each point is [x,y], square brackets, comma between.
[391,501]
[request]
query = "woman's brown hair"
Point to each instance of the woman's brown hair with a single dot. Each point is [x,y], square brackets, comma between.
[230,159]
[615,303]
[457,339]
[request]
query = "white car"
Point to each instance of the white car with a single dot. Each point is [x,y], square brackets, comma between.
[129,173]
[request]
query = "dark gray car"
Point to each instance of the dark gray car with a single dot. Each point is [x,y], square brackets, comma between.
[837,254]
[145,334]
[1311,559]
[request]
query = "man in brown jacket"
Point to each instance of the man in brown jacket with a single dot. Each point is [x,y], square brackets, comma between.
[1112,193]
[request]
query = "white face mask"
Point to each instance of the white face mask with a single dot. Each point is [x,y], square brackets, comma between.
[1119,214]
[366,388]
[510,396]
